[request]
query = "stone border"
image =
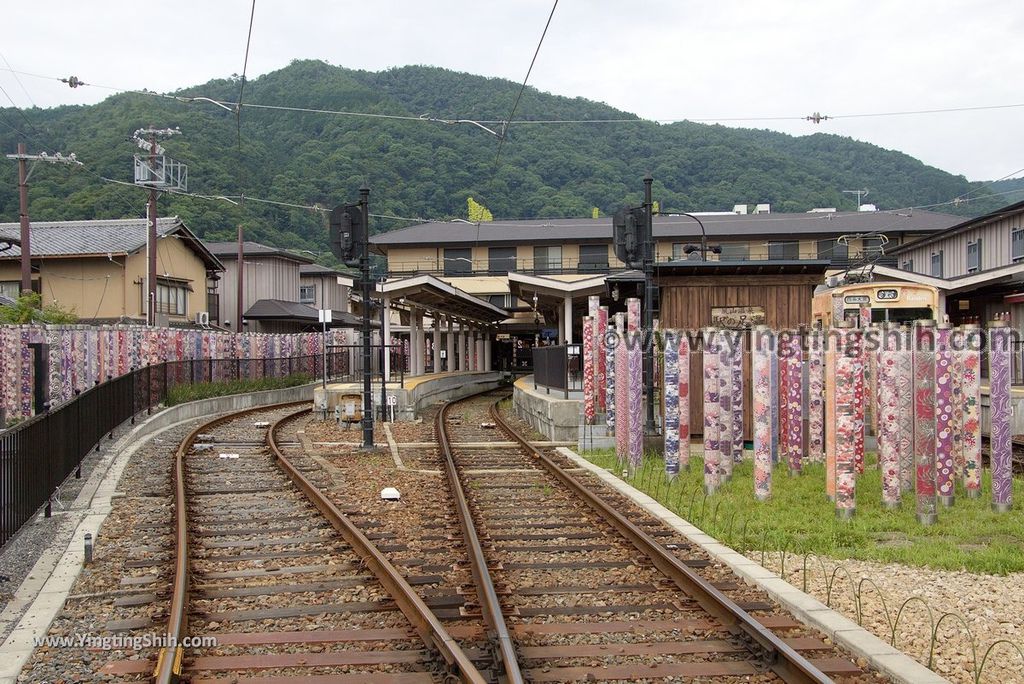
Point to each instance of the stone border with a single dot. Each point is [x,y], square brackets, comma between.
[41,596]
[805,608]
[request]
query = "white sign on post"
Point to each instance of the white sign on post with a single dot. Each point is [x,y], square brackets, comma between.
[325,316]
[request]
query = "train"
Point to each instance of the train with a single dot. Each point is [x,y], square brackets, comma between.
[876,302]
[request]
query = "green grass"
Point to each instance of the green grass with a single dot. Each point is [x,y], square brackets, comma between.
[180,394]
[799,519]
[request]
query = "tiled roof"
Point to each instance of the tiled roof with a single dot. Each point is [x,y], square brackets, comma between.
[69,238]
[229,251]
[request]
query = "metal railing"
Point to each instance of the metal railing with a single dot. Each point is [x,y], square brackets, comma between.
[558,368]
[38,455]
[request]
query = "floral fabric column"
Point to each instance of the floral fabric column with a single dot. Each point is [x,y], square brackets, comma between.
[737,398]
[971,391]
[636,388]
[684,400]
[904,381]
[602,358]
[712,476]
[1000,455]
[794,401]
[762,350]
[924,420]
[888,418]
[609,347]
[671,388]
[846,425]
[816,398]
[857,352]
[945,414]
[725,424]
[588,371]
[621,393]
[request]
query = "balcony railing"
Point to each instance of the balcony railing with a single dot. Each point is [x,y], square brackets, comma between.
[482,267]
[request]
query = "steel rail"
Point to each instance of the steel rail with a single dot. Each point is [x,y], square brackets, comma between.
[169,661]
[782,659]
[489,603]
[433,634]
[427,626]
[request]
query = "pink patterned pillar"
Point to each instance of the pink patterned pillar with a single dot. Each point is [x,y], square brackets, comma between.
[684,401]
[815,398]
[737,398]
[945,415]
[588,371]
[609,343]
[903,378]
[712,474]
[671,387]
[636,389]
[971,390]
[846,423]
[602,362]
[621,393]
[857,350]
[1000,455]
[725,409]
[791,374]
[762,347]
[924,420]
[888,423]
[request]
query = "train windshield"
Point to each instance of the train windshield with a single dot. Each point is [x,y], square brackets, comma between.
[909,315]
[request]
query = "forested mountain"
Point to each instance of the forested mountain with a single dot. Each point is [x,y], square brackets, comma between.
[428,169]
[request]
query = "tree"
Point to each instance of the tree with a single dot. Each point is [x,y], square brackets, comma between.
[478,213]
[28,308]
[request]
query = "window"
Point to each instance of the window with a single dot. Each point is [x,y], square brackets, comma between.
[501,260]
[458,261]
[734,251]
[307,294]
[833,250]
[872,246]
[593,257]
[171,298]
[788,250]
[547,258]
[502,301]
[974,256]
[908,265]
[937,264]
[1017,244]
[10,288]
[678,250]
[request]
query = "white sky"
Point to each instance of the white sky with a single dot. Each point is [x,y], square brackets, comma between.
[661,59]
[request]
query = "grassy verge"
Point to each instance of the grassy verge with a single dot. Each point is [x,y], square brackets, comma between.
[204,390]
[798,519]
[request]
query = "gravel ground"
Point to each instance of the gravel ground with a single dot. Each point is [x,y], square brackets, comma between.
[992,606]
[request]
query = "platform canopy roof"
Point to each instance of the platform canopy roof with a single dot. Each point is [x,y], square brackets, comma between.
[1011,273]
[427,292]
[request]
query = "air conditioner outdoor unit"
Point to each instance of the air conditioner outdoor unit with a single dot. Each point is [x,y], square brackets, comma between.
[203,318]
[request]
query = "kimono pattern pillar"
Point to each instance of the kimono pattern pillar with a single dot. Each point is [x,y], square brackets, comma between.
[924,420]
[589,415]
[712,473]
[1000,456]
[945,415]
[762,349]
[888,423]
[671,388]
[602,358]
[725,409]
[791,374]
[815,398]
[684,401]
[846,425]
[636,389]
[610,340]
[737,398]
[903,378]
[971,392]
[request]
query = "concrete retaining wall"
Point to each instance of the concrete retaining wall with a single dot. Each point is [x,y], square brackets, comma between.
[556,418]
[419,393]
[214,405]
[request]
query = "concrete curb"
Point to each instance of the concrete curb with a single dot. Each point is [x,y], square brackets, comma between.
[880,655]
[49,582]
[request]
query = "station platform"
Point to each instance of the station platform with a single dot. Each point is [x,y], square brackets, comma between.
[556,417]
[409,397]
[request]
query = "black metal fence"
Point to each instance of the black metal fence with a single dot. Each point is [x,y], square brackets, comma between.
[555,368]
[36,456]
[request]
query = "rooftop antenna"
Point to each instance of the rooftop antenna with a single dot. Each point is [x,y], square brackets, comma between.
[859,194]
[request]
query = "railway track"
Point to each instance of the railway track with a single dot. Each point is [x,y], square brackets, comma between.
[290,589]
[572,589]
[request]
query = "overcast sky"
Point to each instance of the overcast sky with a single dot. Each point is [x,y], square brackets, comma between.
[662,59]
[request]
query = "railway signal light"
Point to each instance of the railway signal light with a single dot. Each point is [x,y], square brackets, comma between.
[629,227]
[347,232]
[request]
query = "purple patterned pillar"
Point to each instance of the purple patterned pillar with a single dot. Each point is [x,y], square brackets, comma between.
[794,401]
[621,393]
[737,398]
[903,377]
[588,371]
[945,414]
[609,342]
[602,358]
[725,409]
[971,390]
[712,475]
[924,420]
[684,401]
[1000,455]
[957,371]
[846,424]
[775,406]
[762,349]
[636,389]
[888,422]
[857,340]
[815,398]
[671,388]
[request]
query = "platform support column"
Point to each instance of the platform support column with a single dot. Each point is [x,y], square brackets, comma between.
[567,316]
[487,351]
[386,338]
[435,353]
[479,346]
[463,346]
[450,345]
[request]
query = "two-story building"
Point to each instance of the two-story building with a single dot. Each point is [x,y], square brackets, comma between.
[977,265]
[281,289]
[544,270]
[97,269]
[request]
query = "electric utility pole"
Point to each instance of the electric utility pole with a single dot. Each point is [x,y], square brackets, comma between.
[23,175]
[649,427]
[157,172]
